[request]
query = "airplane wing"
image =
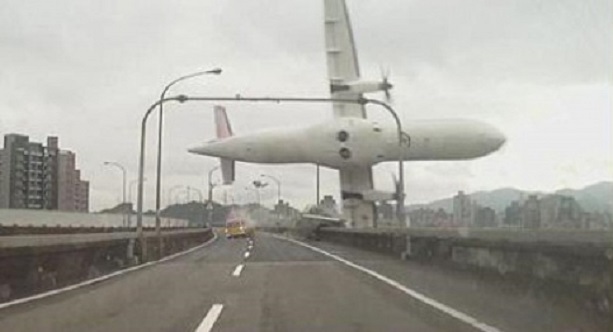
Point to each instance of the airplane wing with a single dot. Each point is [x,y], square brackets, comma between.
[343,68]
[341,57]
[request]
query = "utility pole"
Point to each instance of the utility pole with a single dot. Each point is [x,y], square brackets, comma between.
[209,203]
[130,186]
[158,173]
[278,183]
[317,187]
[123,190]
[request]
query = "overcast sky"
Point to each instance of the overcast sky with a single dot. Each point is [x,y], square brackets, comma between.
[539,70]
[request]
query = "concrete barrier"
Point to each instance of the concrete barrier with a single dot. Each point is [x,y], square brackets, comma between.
[31,264]
[12,230]
[579,261]
[52,218]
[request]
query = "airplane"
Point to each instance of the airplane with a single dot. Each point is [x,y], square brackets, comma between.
[350,143]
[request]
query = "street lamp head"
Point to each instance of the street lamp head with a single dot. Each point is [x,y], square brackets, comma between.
[215,71]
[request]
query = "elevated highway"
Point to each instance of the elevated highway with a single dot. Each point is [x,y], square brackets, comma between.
[279,284]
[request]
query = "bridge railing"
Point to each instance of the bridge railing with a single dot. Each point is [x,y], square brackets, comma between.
[580,262]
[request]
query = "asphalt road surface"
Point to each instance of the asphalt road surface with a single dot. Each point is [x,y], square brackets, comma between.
[274,284]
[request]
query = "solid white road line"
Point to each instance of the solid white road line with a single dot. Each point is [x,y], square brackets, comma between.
[247,254]
[102,278]
[414,294]
[211,317]
[238,270]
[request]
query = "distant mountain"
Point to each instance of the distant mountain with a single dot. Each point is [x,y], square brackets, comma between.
[119,208]
[197,213]
[597,197]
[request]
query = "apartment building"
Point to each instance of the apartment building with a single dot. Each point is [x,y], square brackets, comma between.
[35,176]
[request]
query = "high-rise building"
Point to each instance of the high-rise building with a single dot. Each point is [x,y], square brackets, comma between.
[559,211]
[513,215]
[51,166]
[33,176]
[328,204]
[462,210]
[22,173]
[82,197]
[284,211]
[531,212]
[484,216]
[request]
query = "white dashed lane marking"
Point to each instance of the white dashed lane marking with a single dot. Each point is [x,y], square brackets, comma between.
[238,270]
[211,317]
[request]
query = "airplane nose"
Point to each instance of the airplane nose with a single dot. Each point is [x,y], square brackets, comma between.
[217,148]
[497,138]
[195,150]
[207,150]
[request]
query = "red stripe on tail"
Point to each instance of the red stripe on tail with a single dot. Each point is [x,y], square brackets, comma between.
[222,123]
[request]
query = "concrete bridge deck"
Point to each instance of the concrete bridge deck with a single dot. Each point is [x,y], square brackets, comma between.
[277,284]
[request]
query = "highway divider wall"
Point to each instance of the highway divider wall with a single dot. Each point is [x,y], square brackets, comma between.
[32,230]
[53,218]
[30,264]
[579,262]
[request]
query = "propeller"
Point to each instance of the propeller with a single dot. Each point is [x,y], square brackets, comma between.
[386,86]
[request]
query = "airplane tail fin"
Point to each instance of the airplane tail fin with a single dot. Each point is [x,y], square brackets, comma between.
[222,126]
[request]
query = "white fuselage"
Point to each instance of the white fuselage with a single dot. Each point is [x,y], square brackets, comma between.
[366,143]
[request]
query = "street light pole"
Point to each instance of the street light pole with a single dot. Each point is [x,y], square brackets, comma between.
[401,139]
[141,173]
[178,196]
[248,197]
[278,183]
[198,191]
[200,196]
[209,205]
[123,190]
[317,186]
[132,183]
[158,175]
[169,194]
